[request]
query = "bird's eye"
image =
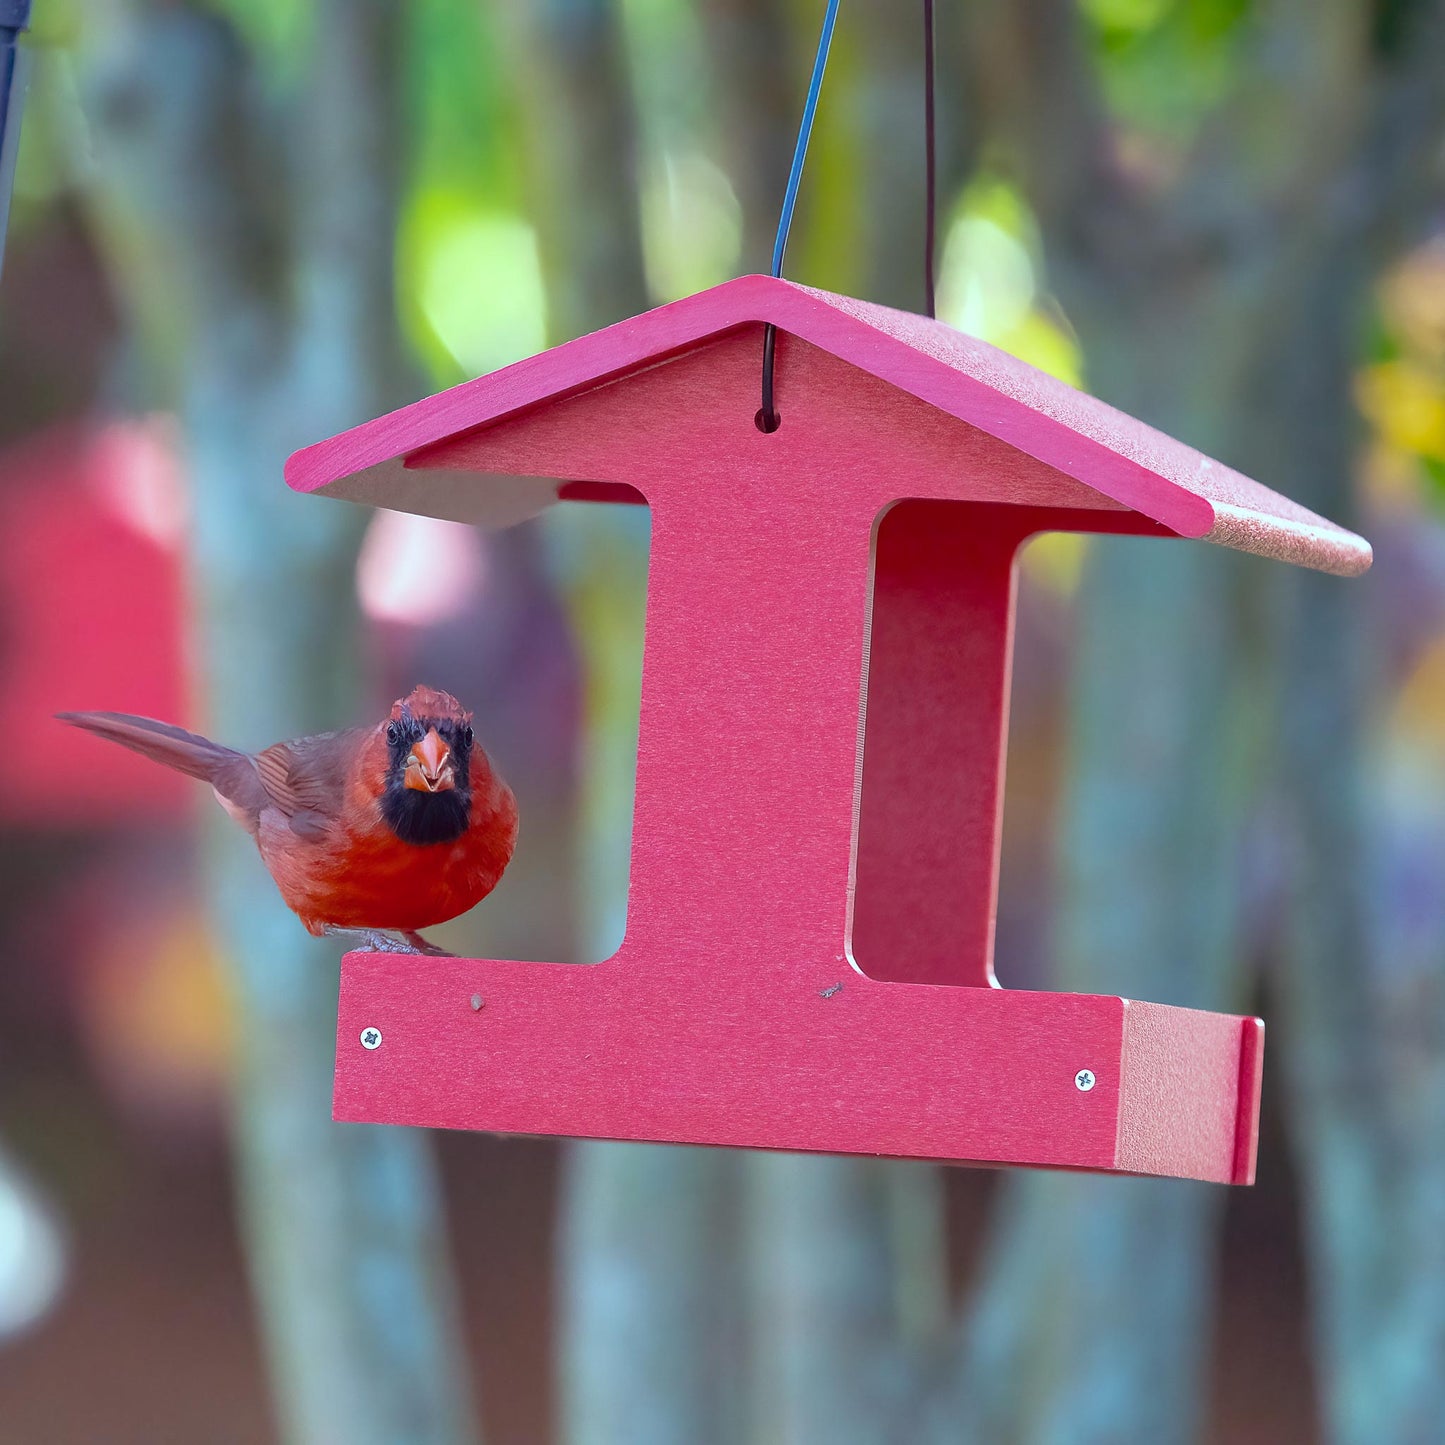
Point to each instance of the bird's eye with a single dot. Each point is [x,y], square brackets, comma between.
[393,734]
[466,736]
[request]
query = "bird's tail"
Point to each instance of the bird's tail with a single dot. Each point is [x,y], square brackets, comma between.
[164,743]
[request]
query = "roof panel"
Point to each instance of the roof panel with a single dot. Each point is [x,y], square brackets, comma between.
[1118,456]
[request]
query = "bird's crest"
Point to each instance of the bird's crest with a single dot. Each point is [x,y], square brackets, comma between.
[427,702]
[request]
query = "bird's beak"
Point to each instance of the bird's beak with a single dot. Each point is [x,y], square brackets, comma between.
[429,765]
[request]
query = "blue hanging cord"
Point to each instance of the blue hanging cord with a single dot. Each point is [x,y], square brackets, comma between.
[805,132]
[767,419]
[14,18]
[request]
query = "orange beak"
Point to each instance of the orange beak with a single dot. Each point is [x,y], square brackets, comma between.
[429,765]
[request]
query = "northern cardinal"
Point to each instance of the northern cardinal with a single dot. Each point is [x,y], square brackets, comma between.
[369,831]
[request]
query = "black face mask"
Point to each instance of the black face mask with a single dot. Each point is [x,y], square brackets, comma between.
[420,817]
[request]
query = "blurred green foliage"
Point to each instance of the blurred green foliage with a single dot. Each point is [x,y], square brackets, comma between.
[1165,64]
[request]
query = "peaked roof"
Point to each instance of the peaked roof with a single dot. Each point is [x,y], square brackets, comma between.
[1082,437]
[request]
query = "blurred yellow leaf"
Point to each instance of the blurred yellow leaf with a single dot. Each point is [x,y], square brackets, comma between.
[691,225]
[1413,300]
[1405,403]
[1128,15]
[989,282]
[157,1011]
[1056,560]
[1390,477]
[470,284]
[1420,709]
[1042,342]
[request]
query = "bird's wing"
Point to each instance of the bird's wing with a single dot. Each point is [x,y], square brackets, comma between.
[307,779]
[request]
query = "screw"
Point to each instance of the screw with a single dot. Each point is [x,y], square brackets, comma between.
[477,1002]
[1084,1080]
[371,1038]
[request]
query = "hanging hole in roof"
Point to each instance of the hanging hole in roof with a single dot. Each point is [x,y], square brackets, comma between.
[767,422]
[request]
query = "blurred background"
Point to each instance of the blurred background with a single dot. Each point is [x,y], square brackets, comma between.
[243,225]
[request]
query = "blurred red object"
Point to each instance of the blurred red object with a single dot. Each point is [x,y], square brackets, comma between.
[91,609]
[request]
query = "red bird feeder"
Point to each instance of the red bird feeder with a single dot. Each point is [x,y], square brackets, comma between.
[808,961]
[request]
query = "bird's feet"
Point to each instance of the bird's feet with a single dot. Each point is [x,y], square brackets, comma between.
[420,945]
[374,940]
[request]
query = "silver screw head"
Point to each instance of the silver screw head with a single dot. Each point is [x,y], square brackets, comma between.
[371,1038]
[1084,1080]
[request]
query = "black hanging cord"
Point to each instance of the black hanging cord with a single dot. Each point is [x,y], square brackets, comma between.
[767,419]
[930,151]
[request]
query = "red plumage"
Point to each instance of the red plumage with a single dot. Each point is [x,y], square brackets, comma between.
[396,827]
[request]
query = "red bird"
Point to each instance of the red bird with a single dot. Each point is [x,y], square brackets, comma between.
[369,831]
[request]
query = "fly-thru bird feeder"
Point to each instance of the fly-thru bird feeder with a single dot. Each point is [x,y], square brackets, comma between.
[808,960]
